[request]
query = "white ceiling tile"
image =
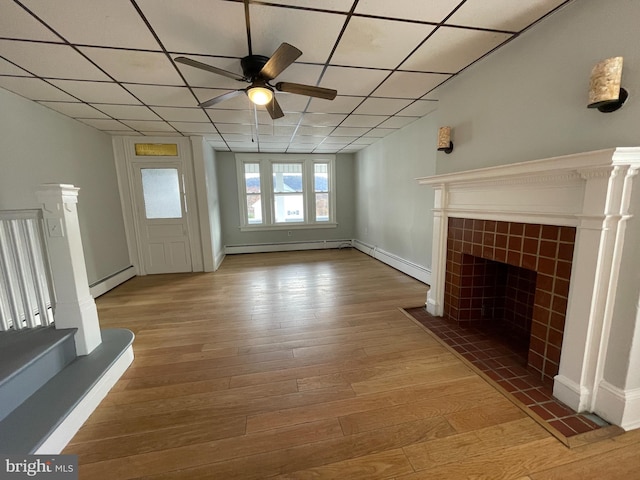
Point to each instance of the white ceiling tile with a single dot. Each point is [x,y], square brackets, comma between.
[314,130]
[380,132]
[50,60]
[283,131]
[322,119]
[128,112]
[409,84]
[235,128]
[273,147]
[162,96]
[349,131]
[419,108]
[96,92]
[299,150]
[16,22]
[282,139]
[173,114]
[292,103]
[270,26]
[502,14]
[366,140]
[162,134]
[149,125]
[7,68]
[212,137]
[451,49]
[290,118]
[244,147]
[75,109]
[133,66]
[339,140]
[300,73]
[369,42]
[114,23]
[381,106]
[232,116]
[431,11]
[34,89]
[207,27]
[398,122]
[333,5]
[338,105]
[105,124]
[364,120]
[327,148]
[235,137]
[192,127]
[353,81]
[306,140]
[129,133]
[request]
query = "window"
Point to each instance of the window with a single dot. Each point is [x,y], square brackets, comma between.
[161,191]
[286,191]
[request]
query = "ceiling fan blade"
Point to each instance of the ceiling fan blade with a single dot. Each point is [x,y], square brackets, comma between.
[209,68]
[309,90]
[273,107]
[284,56]
[221,98]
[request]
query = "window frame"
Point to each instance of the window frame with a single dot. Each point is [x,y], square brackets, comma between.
[267,195]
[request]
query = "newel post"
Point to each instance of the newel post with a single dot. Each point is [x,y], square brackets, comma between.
[75,307]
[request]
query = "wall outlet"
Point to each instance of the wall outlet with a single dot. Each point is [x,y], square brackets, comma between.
[288,233]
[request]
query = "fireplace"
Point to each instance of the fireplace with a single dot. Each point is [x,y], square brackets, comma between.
[513,279]
[563,219]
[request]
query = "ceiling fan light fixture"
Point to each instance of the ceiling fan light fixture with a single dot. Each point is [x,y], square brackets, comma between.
[260,95]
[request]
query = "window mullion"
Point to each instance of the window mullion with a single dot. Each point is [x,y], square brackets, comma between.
[268,197]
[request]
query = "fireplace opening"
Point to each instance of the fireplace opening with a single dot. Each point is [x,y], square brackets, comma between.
[498,299]
[512,280]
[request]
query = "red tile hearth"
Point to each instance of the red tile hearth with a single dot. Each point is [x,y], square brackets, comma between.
[528,266]
[495,358]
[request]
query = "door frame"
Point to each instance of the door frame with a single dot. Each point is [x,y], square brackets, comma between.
[125,158]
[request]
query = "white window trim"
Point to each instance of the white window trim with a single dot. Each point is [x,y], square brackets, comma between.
[267,195]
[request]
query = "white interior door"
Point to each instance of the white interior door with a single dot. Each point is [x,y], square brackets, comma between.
[162,224]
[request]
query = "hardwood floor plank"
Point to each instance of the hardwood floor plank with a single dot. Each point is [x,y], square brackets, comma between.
[302,365]
[368,467]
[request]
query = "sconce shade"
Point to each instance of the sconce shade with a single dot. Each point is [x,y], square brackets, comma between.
[605,92]
[444,140]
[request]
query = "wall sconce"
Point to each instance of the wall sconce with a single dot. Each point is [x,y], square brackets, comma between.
[444,140]
[605,92]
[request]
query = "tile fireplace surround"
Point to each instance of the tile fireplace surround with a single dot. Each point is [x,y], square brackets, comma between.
[582,202]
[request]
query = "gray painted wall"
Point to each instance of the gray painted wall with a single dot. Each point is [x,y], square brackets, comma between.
[528,100]
[213,197]
[42,146]
[393,211]
[230,210]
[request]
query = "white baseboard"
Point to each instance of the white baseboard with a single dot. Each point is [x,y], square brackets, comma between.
[405,266]
[617,406]
[286,247]
[570,393]
[63,434]
[218,260]
[103,286]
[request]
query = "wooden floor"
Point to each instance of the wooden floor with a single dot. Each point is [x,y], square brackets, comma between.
[300,365]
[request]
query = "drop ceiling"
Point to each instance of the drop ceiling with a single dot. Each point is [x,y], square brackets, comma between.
[110,64]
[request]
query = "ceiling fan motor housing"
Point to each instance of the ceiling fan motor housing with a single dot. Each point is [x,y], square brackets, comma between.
[252,64]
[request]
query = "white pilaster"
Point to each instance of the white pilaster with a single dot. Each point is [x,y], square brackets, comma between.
[75,307]
[435,295]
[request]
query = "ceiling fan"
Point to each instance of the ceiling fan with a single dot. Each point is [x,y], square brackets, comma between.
[258,71]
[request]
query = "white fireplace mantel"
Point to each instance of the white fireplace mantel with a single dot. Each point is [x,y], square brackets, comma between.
[590,191]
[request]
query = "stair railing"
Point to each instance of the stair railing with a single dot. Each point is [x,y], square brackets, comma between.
[27,298]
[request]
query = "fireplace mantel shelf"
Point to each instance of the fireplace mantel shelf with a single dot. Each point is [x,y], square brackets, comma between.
[589,191]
